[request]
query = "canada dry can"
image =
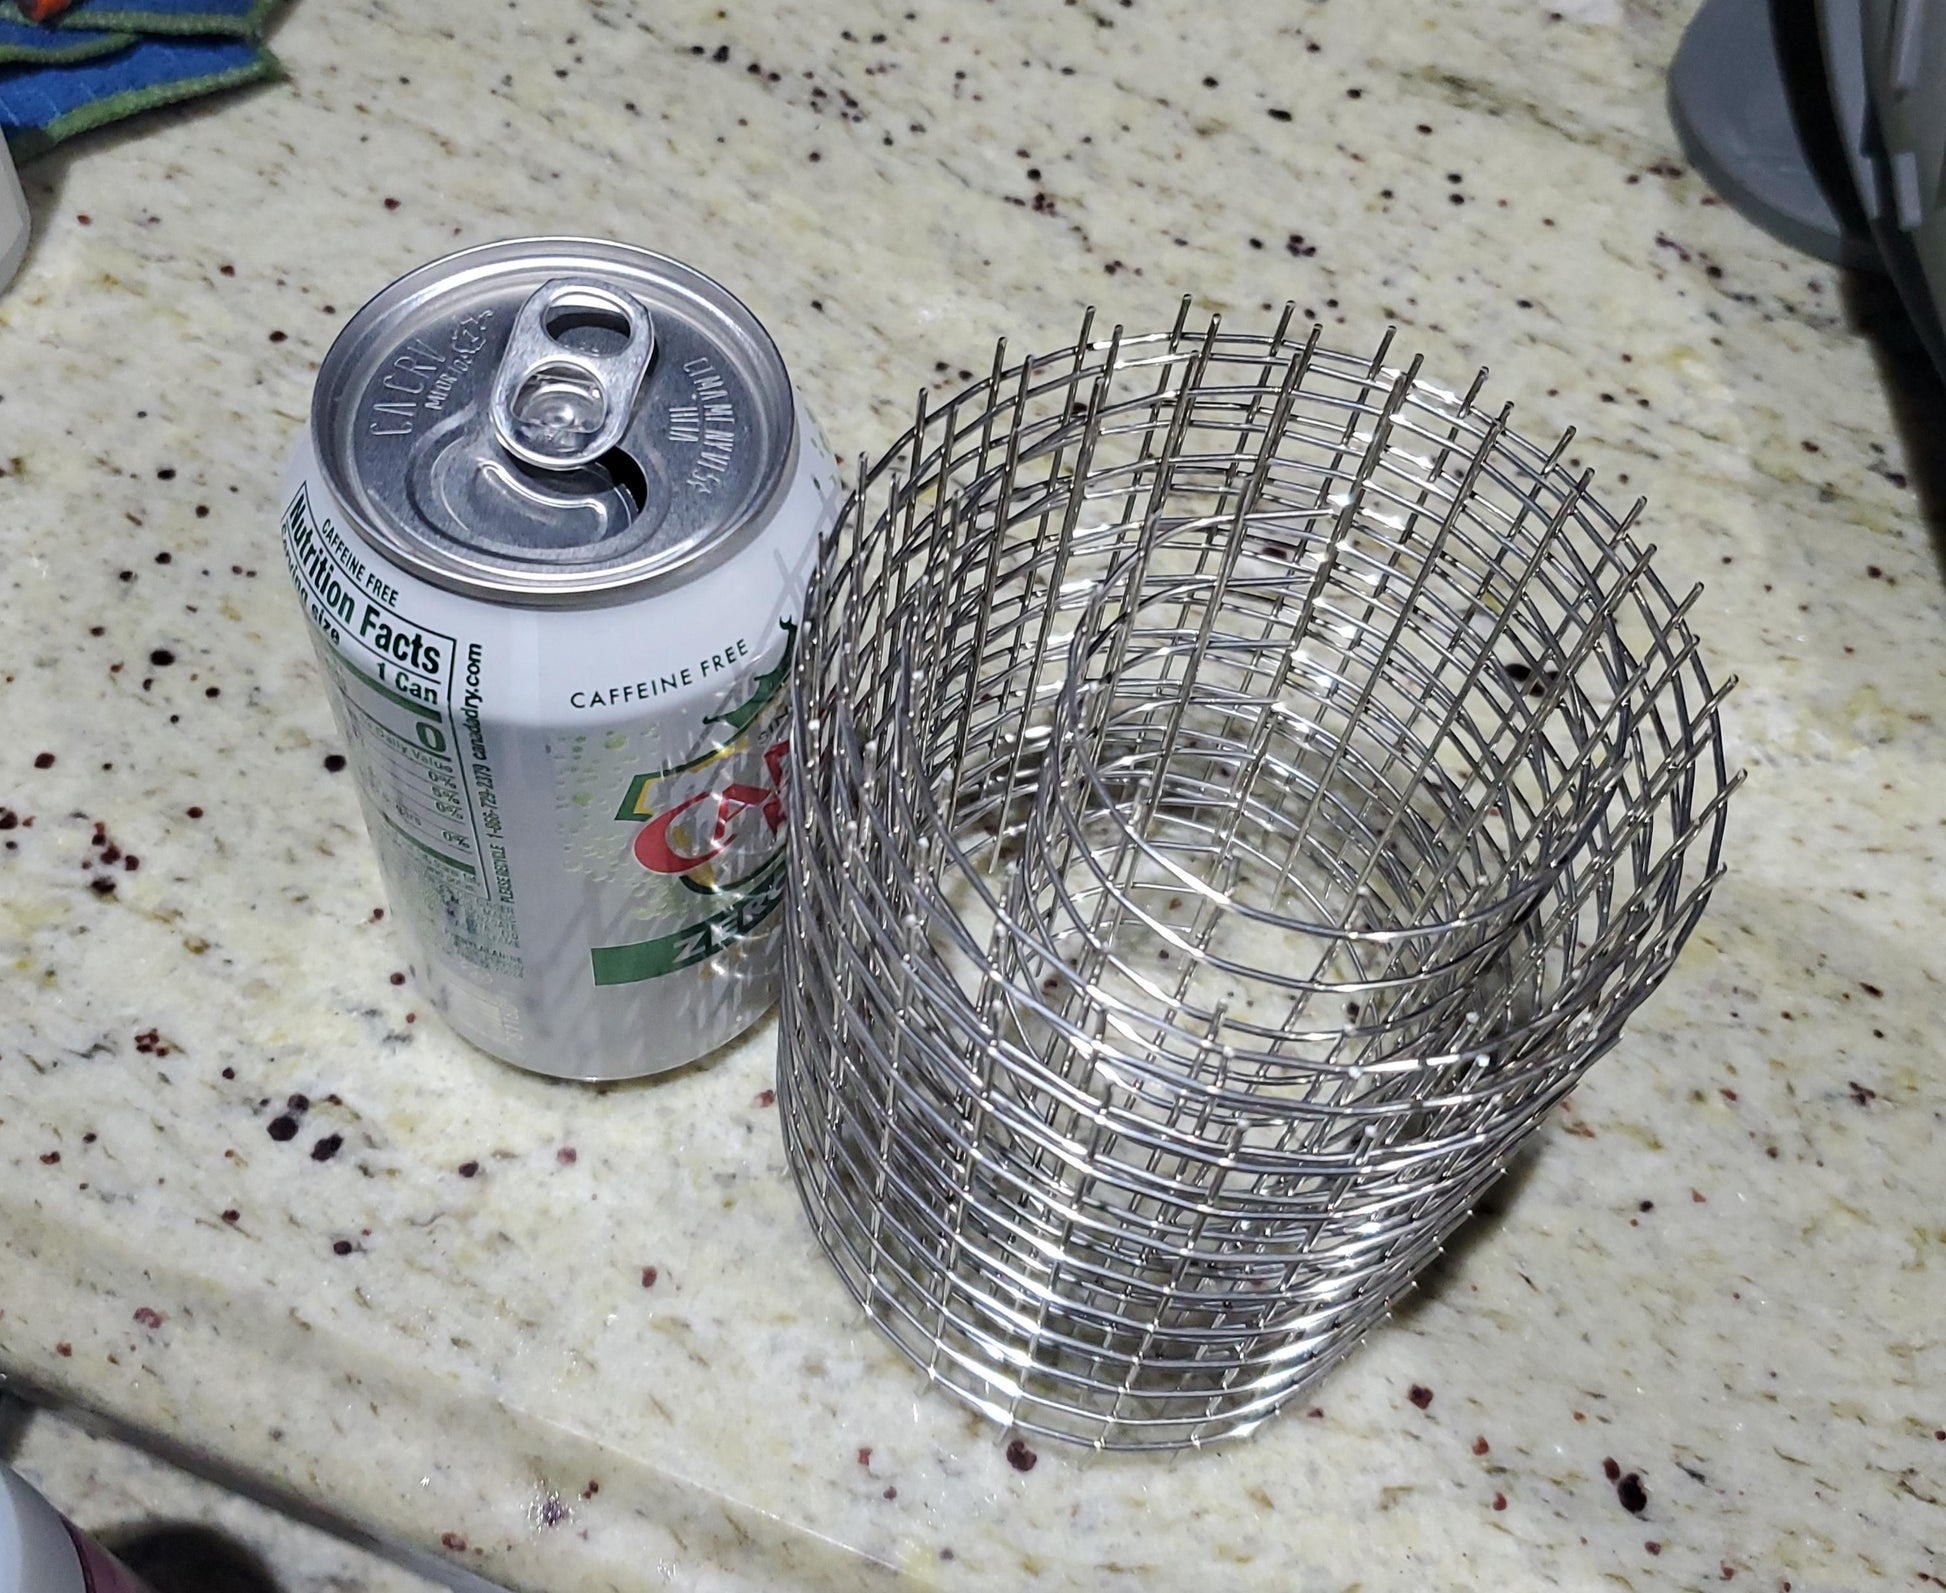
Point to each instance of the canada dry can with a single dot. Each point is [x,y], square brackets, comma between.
[551,522]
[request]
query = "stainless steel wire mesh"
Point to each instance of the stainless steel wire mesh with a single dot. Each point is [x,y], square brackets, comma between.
[1239,788]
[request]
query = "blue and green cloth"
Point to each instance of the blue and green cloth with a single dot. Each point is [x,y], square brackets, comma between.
[96,61]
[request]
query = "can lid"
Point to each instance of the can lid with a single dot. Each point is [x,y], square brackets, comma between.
[547,420]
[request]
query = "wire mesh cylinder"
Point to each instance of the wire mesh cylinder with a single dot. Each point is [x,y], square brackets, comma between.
[1239,788]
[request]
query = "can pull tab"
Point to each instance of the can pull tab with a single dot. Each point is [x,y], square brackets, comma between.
[567,382]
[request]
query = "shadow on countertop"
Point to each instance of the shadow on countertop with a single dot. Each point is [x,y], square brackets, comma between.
[15,1414]
[182,1557]
[1913,388]
[1446,1269]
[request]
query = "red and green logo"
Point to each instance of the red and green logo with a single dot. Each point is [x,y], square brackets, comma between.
[701,819]
[713,817]
[693,828]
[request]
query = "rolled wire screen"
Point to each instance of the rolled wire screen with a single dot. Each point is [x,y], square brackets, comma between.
[1239,788]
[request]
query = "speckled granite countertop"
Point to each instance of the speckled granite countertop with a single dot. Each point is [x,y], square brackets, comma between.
[580,1337]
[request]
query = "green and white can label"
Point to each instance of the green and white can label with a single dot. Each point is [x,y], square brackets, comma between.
[570,754]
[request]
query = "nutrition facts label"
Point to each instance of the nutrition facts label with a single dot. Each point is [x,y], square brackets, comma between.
[395,679]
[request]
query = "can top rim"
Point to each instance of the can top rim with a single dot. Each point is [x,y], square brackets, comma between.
[710,314]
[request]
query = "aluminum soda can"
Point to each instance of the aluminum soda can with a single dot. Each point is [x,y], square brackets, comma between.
[551,523]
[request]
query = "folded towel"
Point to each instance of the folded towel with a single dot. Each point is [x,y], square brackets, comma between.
[243,19]
[41,105]
[22,41]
